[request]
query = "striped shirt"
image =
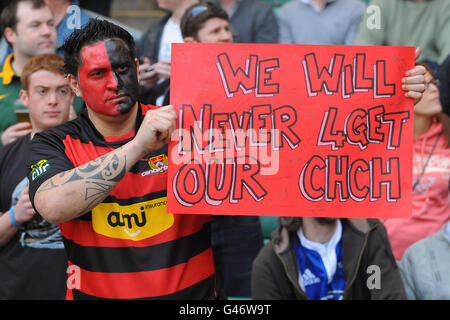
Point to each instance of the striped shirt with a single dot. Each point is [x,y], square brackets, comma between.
[128,246]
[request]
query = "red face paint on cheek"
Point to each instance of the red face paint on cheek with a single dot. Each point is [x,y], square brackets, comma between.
[97,81]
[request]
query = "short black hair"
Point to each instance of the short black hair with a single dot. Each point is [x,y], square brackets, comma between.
[96,30]
[8,17]
[193,18]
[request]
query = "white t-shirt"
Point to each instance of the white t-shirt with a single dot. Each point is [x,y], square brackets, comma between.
[171,34]
[327,251]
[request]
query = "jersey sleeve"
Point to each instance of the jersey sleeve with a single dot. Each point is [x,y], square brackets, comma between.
[47,159]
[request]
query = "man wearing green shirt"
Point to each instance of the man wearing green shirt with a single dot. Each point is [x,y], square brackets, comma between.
[418,23]
[29,28]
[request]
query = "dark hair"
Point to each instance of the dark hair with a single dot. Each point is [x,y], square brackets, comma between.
[442,116]
[444,90]
[96,30]
[195,16]
[428,67]
[8,17]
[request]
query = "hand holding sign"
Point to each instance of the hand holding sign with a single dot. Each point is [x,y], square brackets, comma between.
[156,129]
[414,82]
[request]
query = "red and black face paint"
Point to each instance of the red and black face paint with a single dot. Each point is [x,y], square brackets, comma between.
[108,77]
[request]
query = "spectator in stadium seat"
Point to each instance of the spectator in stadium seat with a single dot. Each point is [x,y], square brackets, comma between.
[431,172]
[33,263]
[328,259]
[424,267]
[29,28]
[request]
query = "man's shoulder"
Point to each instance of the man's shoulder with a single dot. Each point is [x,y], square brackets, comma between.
[9,84]
[10,91]
[291,5]
[347,4]
[257,5]
[355,3]
[13,85]
[158,25]
[60,132]
[362,225]
[436,240]
[7,75]
[352,5]
[85,16]
[150,39]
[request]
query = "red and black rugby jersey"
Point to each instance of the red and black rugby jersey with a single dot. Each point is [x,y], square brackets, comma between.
[128,246]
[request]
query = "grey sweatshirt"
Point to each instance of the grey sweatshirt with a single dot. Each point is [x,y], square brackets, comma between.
[425,267]
[336,24]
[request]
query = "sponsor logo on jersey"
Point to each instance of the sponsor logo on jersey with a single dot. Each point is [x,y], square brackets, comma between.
[39,168]
[158,164]
[134,222]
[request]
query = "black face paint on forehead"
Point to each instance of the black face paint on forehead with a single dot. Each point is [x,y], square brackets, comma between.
[118,51]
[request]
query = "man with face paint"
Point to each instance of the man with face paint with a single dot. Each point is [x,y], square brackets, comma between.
[102,177]
[108,78]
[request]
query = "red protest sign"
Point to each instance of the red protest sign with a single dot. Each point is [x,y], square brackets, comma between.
[291,130]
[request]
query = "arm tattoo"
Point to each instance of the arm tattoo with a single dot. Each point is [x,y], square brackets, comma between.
[95,191]
[100,176]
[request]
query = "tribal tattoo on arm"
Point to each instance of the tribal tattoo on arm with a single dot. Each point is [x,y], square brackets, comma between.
[100,176]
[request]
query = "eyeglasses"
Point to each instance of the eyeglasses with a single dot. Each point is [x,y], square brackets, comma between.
[434,81]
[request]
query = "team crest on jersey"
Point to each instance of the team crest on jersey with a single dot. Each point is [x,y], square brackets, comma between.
[158,164]
[39,168]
